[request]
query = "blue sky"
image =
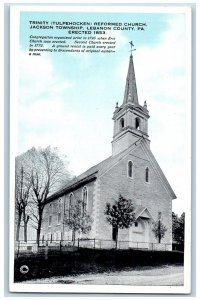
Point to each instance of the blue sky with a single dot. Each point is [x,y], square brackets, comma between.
[67,100]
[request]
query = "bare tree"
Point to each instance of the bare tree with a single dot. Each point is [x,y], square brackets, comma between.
[47,171]
[77,219]
[22,191]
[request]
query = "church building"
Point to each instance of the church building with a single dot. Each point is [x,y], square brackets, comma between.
[131,171]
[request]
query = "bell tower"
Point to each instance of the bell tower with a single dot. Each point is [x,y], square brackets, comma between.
[130,119]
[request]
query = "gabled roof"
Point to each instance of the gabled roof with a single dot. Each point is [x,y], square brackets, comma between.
[141,211]
[88,176]
[85,177]
[102,167]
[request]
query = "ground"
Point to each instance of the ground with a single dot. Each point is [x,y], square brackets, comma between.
[167,275]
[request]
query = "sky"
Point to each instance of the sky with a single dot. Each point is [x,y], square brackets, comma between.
[67,100]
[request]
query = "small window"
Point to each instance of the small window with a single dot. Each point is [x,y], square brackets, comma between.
[71,204]
[84,200]
[137,123]
[147,174]
[71,200]
[65,204]
[114,233]
[50,208]
[51,237]
[130,169]
[59,204]
[136,224]
[59,218]
[50,220]
[122,122]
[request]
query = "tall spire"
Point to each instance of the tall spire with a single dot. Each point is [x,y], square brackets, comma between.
[130,118]
[130,94]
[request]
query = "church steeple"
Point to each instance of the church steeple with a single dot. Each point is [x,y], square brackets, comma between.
[130,119]
[130,94]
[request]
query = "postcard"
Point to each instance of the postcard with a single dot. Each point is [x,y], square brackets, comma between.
[100,159]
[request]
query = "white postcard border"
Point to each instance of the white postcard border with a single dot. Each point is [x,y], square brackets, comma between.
[14,54]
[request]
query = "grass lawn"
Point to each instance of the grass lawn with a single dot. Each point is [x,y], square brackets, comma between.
[86,261]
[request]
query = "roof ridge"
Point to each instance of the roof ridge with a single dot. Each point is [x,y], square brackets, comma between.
[93,167]
[89,172]
[80,178]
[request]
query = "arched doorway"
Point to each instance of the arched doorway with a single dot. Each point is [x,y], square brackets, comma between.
[139,234]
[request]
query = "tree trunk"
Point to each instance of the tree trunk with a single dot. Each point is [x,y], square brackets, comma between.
[26,219]
[39,225]
[38,234]
[18,225]
[25,232]
[73,237]
[159,232]
[116,236]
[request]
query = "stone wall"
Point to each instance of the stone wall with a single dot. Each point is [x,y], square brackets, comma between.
[152,194]
[60,230]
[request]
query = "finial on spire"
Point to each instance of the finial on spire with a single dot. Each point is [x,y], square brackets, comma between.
[130,94]
[116,105]
[131,43]
[145,104]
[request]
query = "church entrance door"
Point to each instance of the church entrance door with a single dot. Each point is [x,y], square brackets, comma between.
[139,234]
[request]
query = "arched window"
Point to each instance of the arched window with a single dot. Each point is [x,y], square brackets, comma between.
[71,200]
[59,204]
[147,174]
[84,200]
[59,218]
[50,221]
[65,204]
[50,208]
[137,123]
[71,204]
[130,169]
[122,123]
